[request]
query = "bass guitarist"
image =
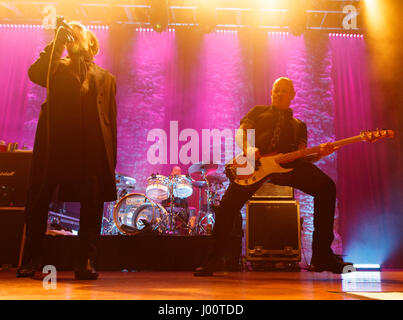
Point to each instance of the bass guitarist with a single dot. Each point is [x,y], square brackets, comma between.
[277,131]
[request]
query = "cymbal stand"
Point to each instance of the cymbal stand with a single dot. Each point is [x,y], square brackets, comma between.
[171,214]
[199,226]
[108,225]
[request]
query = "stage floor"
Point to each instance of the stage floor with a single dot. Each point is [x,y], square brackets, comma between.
[301,285]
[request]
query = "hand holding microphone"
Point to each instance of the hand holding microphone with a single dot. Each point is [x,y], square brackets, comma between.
[65,30]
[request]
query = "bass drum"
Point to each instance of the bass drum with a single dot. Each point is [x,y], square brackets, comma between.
[136,211]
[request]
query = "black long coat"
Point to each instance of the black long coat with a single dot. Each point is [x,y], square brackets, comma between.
[104,91]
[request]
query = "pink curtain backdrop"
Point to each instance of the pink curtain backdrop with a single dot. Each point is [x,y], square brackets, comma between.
[209,82]
[368,192]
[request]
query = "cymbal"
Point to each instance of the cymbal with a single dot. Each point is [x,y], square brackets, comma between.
[125,186]
[216,178]
[196,170]
[119,174]
[123,180]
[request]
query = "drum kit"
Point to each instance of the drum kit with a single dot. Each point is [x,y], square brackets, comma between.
[163,208]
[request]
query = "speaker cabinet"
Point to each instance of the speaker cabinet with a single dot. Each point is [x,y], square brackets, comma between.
[14,173]
[273,231]
[269,191]
[11,229]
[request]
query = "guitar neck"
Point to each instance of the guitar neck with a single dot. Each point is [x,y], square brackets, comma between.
[291,156]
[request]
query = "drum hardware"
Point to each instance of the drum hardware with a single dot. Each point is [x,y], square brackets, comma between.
[205,175]
[136,212]
[161,188]
[124,185]
[199,184]
[216,178]
[199,171]
[108,225]
[171,214]
[176,215]
[180,186]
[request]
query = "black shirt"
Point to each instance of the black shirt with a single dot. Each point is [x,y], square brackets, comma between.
[264,120]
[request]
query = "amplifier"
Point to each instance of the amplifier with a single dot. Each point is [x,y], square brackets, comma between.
[14,174]
[273,191]
[12,221]
[273,231]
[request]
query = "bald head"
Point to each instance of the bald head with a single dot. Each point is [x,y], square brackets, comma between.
[176,171]
[282,93]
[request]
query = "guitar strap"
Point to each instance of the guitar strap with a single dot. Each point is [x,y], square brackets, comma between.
[284,115]
[276,135]
[296,128]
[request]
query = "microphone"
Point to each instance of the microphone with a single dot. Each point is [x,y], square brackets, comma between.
[60,22]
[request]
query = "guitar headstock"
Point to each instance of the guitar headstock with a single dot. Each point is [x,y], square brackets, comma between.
[372,136]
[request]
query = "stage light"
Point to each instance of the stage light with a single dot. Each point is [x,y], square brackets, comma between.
[371,4]
[278,33]
[159,15]
[345,35]
[375,11]
[367,267]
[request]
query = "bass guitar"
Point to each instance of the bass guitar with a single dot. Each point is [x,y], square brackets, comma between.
[244,172]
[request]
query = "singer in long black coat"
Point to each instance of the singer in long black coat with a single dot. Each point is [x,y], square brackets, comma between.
[65,165]
[75,146]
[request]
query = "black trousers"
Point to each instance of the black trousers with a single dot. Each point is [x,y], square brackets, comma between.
[305,177]
[91,211]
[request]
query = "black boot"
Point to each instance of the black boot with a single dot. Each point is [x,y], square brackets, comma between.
[207,268]
[28,270]
[333,263]
[86,270]
[203,272]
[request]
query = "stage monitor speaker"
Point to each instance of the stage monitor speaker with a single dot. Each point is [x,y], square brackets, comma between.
[273,231]
[14,174]
[273,191]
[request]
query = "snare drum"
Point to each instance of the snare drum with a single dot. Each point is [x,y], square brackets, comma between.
[182,186]
[157,187]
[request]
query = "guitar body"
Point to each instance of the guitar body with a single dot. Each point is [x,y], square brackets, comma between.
[245,174]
